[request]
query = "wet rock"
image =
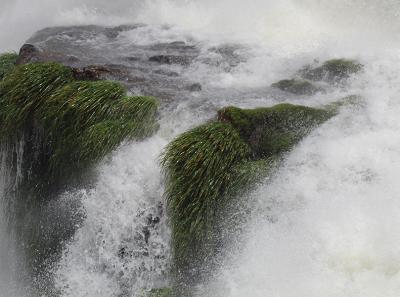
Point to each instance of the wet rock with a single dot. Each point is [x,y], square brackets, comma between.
[27,53]
[90,73]
[99,72]
[30,53]
[113,32]
[297,87]
[171,59]
[166,72]
[194,87]
[332,70]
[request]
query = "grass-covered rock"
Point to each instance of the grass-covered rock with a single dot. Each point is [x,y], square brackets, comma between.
[79,121]
[199,164]
[7,63]
[208,166]
[332,70]
[297,87]
[65,126]
[276,129]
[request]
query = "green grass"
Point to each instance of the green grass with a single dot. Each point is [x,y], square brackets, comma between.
[67,127]
[79,121]
[273,130]
[7,63]
[210,168]
[24,91]
[198,165]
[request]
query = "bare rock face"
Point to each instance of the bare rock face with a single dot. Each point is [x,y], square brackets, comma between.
[97,53]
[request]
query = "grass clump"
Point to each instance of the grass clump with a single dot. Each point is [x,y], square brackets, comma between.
[79,121]
[87,120]
[7,63]
[208,167]
[24,91]
[199,163]
[66,126]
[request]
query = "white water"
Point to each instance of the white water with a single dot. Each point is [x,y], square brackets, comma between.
[335,203]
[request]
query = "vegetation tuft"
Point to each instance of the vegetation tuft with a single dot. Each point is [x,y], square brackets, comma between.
[198,164]
[7,63]
[207,167]
[66,126]
[79,121]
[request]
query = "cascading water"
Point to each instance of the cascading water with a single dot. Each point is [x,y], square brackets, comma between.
[323,225]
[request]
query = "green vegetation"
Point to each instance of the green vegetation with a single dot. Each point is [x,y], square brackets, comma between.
[209,167]
[7,63]
[276,129]
[79,121]
[332,70]
[198,164]
[24,91]
[67,126]
[163,292]
[297,87]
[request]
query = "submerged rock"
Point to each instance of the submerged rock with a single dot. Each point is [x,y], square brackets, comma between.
[171,59]
[297,87]
[332,70]
[194,87]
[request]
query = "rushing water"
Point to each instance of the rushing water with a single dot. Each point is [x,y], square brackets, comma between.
[324,225]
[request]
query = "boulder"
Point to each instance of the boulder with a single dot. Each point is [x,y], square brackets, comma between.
[297,87]
[332,70]
[171,59]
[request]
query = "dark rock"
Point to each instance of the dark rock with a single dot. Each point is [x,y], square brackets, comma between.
[171,59]
[90,73]
[166,72]
[132,59]
[28,53]
[332,70]
[298,87]
[113,32]
[194,87]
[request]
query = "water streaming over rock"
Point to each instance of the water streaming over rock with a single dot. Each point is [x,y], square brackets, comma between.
[323,225]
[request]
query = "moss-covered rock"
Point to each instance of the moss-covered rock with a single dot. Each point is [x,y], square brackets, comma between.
[276,129]
[7,63]
[163,292]
[297,87]
[332,70]
[210,165]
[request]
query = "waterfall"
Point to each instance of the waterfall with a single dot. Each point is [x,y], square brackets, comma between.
[323,224]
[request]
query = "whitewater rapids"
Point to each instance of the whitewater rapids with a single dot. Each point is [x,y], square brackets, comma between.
[326,224]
